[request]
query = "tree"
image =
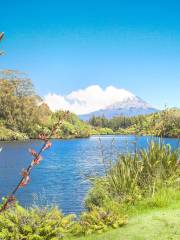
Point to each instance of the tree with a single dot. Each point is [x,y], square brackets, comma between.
[20,106]
[1,37]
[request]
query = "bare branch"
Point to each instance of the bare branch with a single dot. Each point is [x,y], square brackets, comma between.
[1,35]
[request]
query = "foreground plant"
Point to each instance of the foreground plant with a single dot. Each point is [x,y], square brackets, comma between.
[50,224]
[99,219]
[138,175]
[34,224]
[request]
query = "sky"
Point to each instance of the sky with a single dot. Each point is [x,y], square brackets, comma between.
[68,47]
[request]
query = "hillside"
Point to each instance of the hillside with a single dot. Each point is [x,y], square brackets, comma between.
[23,114]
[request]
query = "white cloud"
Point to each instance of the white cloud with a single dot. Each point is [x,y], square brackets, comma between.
[87,100]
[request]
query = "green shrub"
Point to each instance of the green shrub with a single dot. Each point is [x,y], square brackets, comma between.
[8,134]
[104,131]
[138,175]
[98,220]
[34,224]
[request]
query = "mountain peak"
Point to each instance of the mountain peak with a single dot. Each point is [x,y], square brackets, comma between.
[128,106]
[130,102]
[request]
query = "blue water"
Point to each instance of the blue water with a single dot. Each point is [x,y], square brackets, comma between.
[61,178]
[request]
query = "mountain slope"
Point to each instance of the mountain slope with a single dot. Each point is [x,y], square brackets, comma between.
[128,107]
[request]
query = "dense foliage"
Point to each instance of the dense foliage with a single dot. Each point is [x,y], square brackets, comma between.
[20,107]
[23,113]
[7,134]
[34,224]
[164,123]
[49,223]
[72,126]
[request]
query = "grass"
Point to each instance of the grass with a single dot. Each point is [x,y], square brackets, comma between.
[160,225]
[150,224]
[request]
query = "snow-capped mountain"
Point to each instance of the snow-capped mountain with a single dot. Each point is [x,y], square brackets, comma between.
[131,106]
[94,100]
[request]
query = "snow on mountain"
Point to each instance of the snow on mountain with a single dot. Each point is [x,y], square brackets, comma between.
[94,100]
[127,107]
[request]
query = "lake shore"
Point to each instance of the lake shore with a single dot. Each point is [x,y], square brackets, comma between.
[16,136]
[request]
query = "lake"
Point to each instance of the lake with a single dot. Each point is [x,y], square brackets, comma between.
[61,178]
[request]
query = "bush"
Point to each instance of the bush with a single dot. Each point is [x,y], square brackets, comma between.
[102,131]
[34,224]
[50,224]
[98,220]
[138,175]
[8,134]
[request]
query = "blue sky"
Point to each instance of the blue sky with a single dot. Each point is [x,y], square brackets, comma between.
[70,45]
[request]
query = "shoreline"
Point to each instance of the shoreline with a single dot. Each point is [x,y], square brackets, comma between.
[93,135]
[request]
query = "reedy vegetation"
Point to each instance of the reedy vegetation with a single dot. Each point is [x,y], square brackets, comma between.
[137,176]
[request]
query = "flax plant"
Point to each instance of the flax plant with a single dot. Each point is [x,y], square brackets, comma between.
[138,175]
[142,173]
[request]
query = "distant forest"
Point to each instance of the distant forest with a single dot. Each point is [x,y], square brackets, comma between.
[165,123]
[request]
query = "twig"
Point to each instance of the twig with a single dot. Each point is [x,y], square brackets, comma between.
[11,198]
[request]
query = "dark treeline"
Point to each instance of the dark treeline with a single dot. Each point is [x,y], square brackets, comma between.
[116,122]
[164,123]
